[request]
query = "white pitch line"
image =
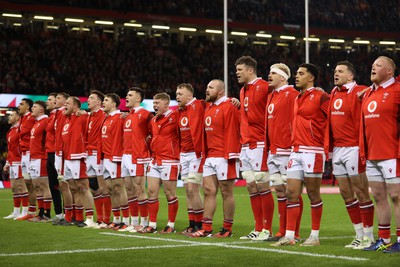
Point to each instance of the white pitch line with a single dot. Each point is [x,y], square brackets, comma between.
[335,237]
[55,252]
[227,245]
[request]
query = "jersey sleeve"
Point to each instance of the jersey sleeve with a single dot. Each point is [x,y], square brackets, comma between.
[231,124]
[196,120]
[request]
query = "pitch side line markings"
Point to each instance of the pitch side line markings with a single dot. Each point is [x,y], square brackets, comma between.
[227,245]
[55,252]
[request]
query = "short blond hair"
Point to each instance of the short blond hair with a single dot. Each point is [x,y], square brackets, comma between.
[162,96]
[283,67]
[390,61]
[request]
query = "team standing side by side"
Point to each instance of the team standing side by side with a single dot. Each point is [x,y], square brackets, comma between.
[279,137]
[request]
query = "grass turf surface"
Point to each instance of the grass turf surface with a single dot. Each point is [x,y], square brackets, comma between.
[42,244]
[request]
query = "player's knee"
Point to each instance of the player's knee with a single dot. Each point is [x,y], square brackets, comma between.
[14,189]
[195,178]
[152,192]
[362,196]
[209,191]
[347,194]
[129,191]
[248,176]
[314,195]
[184,179]
[261,177]
[117,188]
[395,197]
[291,194]
[226,192]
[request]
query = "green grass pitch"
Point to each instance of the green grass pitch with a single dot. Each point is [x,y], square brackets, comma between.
[42,244]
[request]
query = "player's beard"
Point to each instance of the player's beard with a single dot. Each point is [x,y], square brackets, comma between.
[210,98]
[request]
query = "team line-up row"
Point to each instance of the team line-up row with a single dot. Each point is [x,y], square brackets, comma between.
[276,135]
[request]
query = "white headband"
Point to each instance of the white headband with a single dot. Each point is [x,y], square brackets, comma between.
[280,72]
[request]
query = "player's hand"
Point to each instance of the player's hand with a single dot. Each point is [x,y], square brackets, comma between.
[148,138]
[361,94]
[235,102]
[80,113]
[124,115]
[6,168]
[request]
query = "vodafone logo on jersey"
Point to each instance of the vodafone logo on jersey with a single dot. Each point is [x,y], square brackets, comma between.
[90,125]
[184,121]
[104,129]
[246,102]
[208,121]
[66,126]
[271,108]
[372,106]
[32,131]
[128,123]
[338,103]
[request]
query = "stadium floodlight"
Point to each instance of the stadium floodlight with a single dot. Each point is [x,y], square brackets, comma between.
[361,42]
[336,40]
[282,44]
[43,17]
[103,22]
[387,42]
[74,20]
[186,29]
[213,31]
[108,31]
[260,43]
[335,47]
[311,39]
[287,37]
[160,27]
[141,33]
[52,27]
[17,24]
[239,33]
[137,25]
[12,15]
[264,35]
[81,29]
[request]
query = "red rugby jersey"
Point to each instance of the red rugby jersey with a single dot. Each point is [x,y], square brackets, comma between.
[343,117]
[253,97]
[191,125]
[37,145]
[112,136]
[309,123]
[93,135]
[222,134]
[165,144]
[73,137]
[58,126]
[14,153]
[380,118]
[136,132]
[279,120]
[50,132]
[25,127]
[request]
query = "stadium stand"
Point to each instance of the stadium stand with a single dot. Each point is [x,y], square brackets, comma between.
[76,62]
[355,14]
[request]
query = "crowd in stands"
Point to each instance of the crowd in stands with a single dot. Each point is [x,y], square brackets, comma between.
[367,15]
[58,60]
